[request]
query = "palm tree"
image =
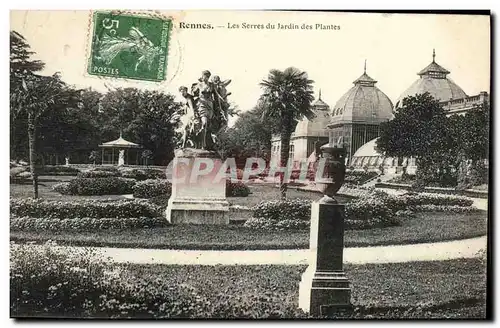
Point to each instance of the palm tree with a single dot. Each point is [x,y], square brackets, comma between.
[287,97]
[37,96]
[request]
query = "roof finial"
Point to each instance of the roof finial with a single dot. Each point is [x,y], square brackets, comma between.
[365,67]
[433,55]
[319,98]
[120,133]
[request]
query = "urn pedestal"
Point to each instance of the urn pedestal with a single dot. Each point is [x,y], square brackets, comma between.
[324,286]
[198,191]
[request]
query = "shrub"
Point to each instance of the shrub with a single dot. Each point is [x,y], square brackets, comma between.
[98,174]
[83,224]
[445,208]
[100,186]
[366,213]
[236,189]
[20,174]
[266,224]
[276,210]
[105,168]
[52,209]
[63,188]
[152,188]
[369,213]
[142,174]
[58,170]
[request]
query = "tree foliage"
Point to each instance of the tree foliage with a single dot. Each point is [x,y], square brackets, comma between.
[144,117]
[441,143]
[287,97]
[250,136]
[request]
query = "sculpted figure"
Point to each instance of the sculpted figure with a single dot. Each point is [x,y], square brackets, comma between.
[221,97]
[189,119]
[205,111]
[204,95]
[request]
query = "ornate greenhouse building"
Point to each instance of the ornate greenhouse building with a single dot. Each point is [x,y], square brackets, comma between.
[357,115]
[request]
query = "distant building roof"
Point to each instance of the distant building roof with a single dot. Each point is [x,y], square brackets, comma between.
[120,143]
[364,103]
[433,79]
[316,126]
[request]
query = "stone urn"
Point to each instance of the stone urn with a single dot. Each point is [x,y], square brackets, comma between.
[330,172]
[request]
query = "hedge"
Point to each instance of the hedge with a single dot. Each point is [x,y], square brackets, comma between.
[152,188]
[52,209]
[142,174]
[98,174]
[96,186]
[84,224]
[373,209]
[20,174]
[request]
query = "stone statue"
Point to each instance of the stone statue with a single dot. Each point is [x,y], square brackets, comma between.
[205,112]
[121,157]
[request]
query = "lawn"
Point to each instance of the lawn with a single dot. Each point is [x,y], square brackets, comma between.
[437,290]
[426,227]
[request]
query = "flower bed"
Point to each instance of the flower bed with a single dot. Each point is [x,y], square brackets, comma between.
[48,281]
[96,186]
[359,177]
[371,209]
[152,188]
[50,209]
[83,224]
[142,174]
[98,174]
[295,214]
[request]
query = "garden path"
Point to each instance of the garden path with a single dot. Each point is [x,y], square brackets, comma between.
[467,248]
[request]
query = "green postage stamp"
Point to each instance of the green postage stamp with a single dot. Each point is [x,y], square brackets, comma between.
[129,46]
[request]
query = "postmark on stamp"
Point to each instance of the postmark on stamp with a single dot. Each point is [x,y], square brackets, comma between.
[129,46]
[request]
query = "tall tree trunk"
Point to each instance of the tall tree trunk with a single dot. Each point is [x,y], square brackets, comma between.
[32,150]
[284,154]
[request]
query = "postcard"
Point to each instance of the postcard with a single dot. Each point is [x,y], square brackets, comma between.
[249,164]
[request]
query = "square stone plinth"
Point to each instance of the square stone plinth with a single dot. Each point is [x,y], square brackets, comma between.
[197,211]
[198,189]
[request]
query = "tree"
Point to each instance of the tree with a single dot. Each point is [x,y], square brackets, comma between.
[34,94]
[38,95]
[145,117]
[471,133]
[21,64]
[250,136]
[420,129]
[287,97]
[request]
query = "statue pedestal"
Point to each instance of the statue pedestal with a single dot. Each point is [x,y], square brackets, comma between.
[324,286]
[198,195]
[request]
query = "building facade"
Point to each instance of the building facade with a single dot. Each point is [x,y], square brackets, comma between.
[357,115]
[434,80]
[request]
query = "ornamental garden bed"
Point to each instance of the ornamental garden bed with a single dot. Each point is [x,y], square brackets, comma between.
[49,283]
[447,191]
[425,227]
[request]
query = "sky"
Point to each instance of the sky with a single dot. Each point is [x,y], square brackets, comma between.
[395,46]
